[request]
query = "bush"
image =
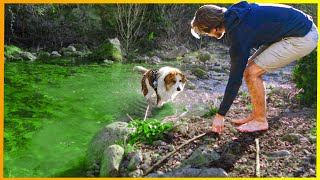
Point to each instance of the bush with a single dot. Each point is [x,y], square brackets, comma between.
[305,76]
[148,131]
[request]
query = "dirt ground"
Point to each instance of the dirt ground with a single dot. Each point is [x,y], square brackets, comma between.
[289,132]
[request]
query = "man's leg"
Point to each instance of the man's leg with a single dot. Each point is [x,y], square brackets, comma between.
[257,120]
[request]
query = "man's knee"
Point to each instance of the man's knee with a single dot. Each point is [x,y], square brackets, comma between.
[249,74]
[253,71]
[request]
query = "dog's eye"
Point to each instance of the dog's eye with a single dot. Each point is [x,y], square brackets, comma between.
[174,82]
[180,80]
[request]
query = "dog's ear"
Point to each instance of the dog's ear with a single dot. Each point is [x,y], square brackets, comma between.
[183,78]
[169,80]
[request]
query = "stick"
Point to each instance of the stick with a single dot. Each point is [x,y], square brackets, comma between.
[257,158]
[145,115]
[130,117]
[171,153]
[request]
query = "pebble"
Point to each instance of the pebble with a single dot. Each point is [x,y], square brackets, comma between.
[159,143]
[287,110]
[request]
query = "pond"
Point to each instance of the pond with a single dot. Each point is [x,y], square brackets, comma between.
[52,110]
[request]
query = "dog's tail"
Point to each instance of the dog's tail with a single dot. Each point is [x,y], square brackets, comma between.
[140,69]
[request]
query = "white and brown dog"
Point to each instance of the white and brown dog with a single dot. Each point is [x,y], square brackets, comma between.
[167,83]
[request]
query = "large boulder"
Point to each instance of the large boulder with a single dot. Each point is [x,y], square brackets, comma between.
[107,50]
[111,161]
[12,53]
[55,54]
[109,135]
[28,56]
[177,52]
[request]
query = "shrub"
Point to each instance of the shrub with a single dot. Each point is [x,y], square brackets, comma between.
[148,131]
[305,76]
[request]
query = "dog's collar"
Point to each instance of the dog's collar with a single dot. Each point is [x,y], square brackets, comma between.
[155,79]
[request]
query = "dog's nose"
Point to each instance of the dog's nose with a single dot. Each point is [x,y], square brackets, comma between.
[178,89]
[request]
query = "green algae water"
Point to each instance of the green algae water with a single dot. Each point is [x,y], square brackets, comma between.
[53,111]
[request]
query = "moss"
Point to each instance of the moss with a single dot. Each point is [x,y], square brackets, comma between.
[106,51]
[199,73]
[12,52]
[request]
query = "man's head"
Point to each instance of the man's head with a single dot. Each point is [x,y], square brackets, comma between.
[208,20]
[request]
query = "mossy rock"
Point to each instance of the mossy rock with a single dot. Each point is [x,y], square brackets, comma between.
[107,50]
[199,73]
[204,56]
[12,52]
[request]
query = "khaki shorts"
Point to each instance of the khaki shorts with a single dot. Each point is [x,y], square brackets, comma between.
[285,51]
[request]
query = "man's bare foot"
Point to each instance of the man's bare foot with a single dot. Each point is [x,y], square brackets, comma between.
[253,126]
[242,121]
[218,125]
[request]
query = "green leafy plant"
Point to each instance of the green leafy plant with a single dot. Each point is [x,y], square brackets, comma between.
[305,76]
[313,133]
[148,131]
[213,110]
[249,107]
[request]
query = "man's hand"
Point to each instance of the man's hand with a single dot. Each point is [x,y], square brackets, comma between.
[218,123]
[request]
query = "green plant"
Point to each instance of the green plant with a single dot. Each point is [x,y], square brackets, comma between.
[11,51]
[313,134]
[249,107]
[148,131]
[305,76]
[127,147]
[213,110]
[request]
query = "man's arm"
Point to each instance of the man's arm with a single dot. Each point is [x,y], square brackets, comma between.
[239,58]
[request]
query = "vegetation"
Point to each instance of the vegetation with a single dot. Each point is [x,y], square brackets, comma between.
[305,76]
[212,111]
[148,131]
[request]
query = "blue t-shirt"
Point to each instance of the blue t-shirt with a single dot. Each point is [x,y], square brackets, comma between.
[252,25]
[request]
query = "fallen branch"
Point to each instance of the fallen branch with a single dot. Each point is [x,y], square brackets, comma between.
[129,117]
[171,153]
[146,114]
[257,158]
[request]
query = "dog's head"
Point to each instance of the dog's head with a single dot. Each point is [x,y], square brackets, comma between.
[175,80]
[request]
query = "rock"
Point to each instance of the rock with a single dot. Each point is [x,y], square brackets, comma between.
[199,73]
[135,161]
[189,59]
[154,60]
[55,54]
[71,48]
[136,173]
[159,143]
[107,50]
[179,51]
[108,61]
[109,135]
[294,138]
[28,56]
[192,172]
[190,85]
[279,154]
[80,47]
[287,110]
[201,156]
[204,56]
[111,161]
[44,54]
[170,147]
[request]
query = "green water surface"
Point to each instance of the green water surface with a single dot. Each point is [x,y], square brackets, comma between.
[53,110]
